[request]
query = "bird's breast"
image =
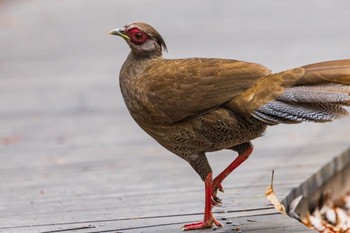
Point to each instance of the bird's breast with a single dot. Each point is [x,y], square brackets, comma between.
[136,100]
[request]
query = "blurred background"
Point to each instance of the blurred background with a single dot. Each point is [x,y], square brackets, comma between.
[66,137]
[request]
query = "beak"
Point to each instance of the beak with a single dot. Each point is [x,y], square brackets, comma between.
[119,32]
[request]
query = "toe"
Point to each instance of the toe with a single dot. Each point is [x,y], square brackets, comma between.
[195,226]
[201,225]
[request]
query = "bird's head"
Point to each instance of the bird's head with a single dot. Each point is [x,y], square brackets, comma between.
[142,38]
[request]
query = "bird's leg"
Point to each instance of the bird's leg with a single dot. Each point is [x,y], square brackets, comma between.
[209,219]
[244,150]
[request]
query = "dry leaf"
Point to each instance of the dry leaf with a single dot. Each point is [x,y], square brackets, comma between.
[271,197]
[331,217]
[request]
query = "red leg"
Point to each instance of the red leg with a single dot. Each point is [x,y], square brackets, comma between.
[209,219]
[242,156]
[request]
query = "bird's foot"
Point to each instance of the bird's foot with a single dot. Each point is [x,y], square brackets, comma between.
[202,224]
[216,201]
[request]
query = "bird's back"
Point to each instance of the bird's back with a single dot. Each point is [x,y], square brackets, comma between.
[171,90]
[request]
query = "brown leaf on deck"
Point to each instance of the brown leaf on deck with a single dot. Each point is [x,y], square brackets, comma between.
[271,197]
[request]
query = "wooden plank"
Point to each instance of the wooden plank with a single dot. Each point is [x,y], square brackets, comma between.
[247,223]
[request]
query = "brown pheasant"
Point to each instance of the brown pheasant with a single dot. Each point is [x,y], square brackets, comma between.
[197,105]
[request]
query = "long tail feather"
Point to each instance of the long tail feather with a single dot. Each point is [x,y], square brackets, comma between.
[326,72]
[319,96]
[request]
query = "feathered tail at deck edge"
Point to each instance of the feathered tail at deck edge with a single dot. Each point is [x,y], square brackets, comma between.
[318,95]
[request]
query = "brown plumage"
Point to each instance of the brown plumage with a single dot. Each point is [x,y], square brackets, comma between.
[196,105]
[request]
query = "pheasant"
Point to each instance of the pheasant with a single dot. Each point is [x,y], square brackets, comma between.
[196,105]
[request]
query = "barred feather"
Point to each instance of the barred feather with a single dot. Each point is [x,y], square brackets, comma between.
[331,93]
[271,119]
[318,103]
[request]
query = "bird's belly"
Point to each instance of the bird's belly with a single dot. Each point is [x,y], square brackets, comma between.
[216,130]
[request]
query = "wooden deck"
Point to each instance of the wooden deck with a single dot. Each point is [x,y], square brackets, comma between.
[72,159]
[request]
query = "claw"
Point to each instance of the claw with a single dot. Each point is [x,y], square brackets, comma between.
[215,201]
[219,187]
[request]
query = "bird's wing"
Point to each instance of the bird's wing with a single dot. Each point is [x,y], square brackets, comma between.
[265,90]
[183,88]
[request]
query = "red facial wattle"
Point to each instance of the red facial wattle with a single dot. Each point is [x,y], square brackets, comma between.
[137,36]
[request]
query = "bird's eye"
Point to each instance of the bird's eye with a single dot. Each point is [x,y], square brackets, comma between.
[138,35]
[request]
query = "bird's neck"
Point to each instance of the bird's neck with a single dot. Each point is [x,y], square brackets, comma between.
[148,50]
[138,61]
